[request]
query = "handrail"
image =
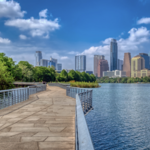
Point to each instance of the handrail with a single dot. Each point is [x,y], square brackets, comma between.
[83,106]
[14,96]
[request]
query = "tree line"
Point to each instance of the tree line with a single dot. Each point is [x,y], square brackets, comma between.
[25,72]
[123,80]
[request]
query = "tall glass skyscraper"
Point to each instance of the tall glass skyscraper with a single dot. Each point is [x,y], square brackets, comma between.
[146,58]
[113,55]
[53,62]
[38,57]
[80,63]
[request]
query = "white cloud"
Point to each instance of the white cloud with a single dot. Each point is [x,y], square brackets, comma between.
[64,57]
[144,21]
[23,37]
[43,13]
[136,40]
[73,53]
[36,27]
[10,9]
[4,41]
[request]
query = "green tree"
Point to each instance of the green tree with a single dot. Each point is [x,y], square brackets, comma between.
[27,70]
[6,79]
[64,75]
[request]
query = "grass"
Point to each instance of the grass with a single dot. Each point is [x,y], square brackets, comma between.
[85,84]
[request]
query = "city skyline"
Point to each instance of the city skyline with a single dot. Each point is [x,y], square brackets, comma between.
[67,31]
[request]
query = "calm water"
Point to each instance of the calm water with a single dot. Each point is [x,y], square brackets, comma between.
[121,117]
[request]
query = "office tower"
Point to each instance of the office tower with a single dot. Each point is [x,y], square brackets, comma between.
[146,58]
[137,64]
[59,67]
[102,66]
[96,60]
[127,64]
[44,62]
[80,63]
[113,55]
[38,57]
[120,64]
[53,62]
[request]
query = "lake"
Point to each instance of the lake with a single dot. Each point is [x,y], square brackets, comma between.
[121,117]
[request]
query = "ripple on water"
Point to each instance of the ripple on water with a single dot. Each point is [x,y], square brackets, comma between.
[121,117]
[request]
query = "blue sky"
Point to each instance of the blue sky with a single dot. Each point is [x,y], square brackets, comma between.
[65,28]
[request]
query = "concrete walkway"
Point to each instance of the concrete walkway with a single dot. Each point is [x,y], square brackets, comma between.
[45,123]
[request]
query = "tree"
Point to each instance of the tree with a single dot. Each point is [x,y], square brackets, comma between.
[27,70]
[64,75]
[72,75]
[44,74]
[8,62]
[6,79]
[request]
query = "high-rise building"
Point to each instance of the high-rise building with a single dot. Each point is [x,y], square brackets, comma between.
[120,64]
[146,58]
[44,62]
[38,57]
[127,64]
[113,55]
[59,67]
[80,63]
[102,66]
[137,64]
[53,62]
[96,60]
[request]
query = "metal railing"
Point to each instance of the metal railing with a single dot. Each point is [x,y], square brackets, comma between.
[85,96]
[14,96]
[83,106]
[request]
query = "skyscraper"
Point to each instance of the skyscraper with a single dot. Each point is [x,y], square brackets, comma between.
[53,62]
[96,60]
[127,64]
[59,67]
[137,64]
[146,58]
[38,57]
[80,63]
[113,55]
[102,66]
[44,62]
[120,64]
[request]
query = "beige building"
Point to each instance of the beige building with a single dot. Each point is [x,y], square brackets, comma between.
[141,73]
[137,66]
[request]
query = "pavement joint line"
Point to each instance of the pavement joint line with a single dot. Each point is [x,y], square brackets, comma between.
[24,118]
[21,106]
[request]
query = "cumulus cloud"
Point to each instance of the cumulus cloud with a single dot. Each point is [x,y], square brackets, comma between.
[73,53]
[22,37]
[4,41]
[36,27]
[137,38]
[144,21]
[64,57]
[43,13]
[10,9]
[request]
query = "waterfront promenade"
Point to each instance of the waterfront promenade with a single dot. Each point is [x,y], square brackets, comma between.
[44,122]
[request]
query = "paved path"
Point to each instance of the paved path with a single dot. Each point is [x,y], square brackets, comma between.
[47,123]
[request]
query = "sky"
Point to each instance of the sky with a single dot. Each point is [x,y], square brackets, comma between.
[65,28]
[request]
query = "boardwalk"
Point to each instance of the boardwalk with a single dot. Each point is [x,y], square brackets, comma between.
[45,122]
